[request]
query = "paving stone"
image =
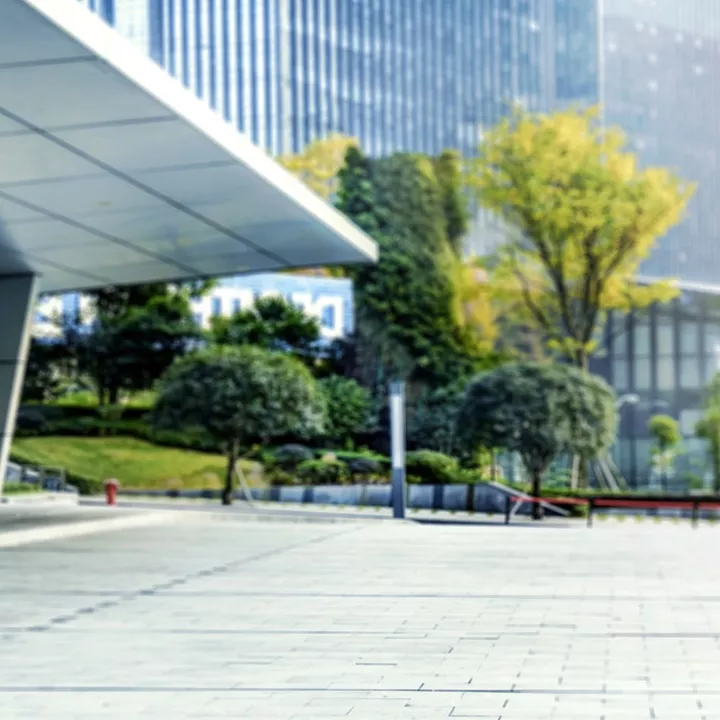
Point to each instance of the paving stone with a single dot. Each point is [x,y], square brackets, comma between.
[216,619]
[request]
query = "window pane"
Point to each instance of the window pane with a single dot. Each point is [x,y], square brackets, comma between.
[689,336]
[689,373]
[622,456]
[620,374]
[642,460]
[642,339]
[642,373]
[712,339]
[666,373]
[688,420]
[711,368]
[619,335]
[665,340]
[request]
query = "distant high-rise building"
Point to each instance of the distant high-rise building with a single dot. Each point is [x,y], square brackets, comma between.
[420,75]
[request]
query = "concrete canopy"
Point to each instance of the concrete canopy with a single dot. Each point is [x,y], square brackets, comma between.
[112,173]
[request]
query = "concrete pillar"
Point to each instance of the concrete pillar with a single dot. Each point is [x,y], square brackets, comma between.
[17,304]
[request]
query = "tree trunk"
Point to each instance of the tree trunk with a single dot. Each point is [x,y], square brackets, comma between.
[537,511]
[228,490]
[574,472]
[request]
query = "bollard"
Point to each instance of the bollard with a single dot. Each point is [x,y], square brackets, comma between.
[508,508]
[591,507]
[111,488]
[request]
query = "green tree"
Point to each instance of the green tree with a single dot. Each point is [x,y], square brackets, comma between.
[406,304]
[43,381]
[240,395]
[581,216]
[666,433]
[448,171]
[538,411]
[432,419]
[130,345]
[709,427]
[272,323]
[348,408]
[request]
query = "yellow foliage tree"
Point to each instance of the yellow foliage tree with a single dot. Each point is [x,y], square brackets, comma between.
[581,216]
[319,163]
[318,166]
[473,300]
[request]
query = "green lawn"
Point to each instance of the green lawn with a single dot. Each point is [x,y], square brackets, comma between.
[135,463]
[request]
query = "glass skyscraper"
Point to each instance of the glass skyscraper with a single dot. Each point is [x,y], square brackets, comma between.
[660,80]
[422,75]
[416,75]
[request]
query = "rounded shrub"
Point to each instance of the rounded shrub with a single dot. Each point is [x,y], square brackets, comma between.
[323,472]
[431,468]
[290,457]
[364,466]
[30,421]
[348,408]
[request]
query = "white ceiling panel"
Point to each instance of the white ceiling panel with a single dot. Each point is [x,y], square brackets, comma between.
[43,44]
[124,176]
[140,272]
[232,264]
[78,198]
[10,126]
[201,187]
[48,235]
[11,211]
[95,255]
[187,250]
[69,92]
[32,158]
[56,280]
[139,146]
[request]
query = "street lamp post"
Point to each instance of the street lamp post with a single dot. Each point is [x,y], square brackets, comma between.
[397,444]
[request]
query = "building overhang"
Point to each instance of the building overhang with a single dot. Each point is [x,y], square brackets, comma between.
[111,172]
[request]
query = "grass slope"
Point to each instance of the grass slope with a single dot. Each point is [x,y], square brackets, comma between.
[135,463]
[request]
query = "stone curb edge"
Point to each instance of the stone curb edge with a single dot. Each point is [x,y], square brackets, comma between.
[62,531]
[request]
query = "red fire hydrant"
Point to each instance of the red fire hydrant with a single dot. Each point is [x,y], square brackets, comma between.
[111,488]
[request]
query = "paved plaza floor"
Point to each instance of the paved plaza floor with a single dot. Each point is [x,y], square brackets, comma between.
[202,618]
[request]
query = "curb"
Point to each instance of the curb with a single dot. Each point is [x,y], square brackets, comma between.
[15,538]
[39,498]
[199,509]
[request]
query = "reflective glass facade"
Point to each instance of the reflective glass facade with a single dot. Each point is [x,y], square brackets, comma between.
[398,75]
[662,85]
[666,357]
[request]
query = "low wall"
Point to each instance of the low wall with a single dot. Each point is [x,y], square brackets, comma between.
[479,497]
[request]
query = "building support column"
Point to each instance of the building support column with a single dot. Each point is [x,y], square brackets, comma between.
[17,304]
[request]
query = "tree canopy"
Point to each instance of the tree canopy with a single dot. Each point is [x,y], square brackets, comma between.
[539,411]
[272,323]
[580,215]
[348,408]
[239,395]
[408,306]
[320,162]
[131,343]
